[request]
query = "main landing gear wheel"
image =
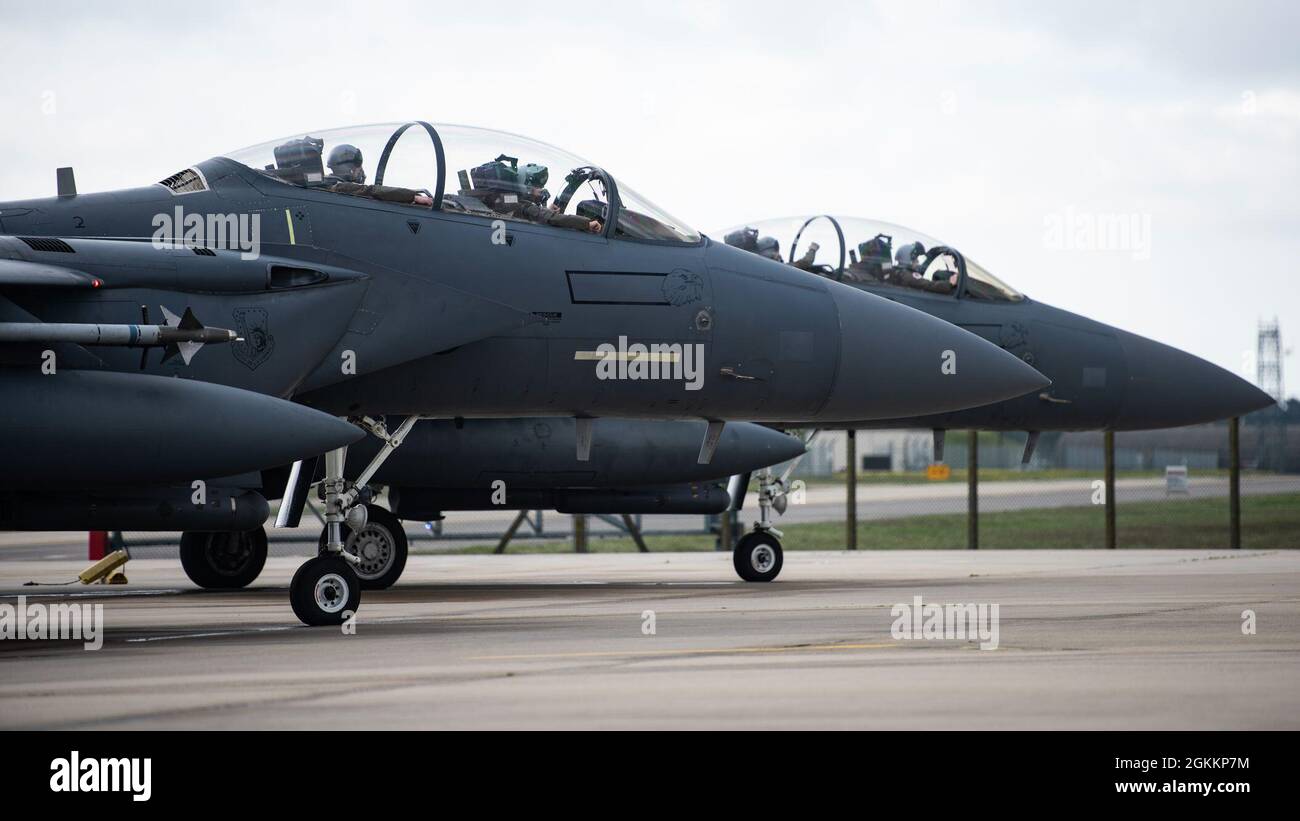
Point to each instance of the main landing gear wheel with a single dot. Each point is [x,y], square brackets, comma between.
[757,556]
[325,590]
[223,560]
[380,545]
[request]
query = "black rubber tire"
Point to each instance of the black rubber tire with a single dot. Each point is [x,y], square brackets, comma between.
[387,530]
[339,586]
[757,557]
[223,560]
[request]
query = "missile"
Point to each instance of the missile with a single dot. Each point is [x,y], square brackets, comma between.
[182,335]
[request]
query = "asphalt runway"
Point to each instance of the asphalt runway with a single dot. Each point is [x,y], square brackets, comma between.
[1086,640]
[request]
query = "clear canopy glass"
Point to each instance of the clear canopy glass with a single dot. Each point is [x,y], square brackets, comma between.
[476,171]
[859,250]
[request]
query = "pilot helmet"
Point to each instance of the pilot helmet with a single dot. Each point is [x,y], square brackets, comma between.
[534,175]
[345,163]
[876,248]
[745,239]
[769,247]
[910,253]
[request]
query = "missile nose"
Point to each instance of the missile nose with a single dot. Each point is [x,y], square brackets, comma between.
[896,361]
[1169,388]
[746,446]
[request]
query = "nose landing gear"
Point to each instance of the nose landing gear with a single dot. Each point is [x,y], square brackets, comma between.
[757,556]
[327,589]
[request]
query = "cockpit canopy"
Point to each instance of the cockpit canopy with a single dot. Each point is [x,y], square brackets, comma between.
[467,170]
[864,251]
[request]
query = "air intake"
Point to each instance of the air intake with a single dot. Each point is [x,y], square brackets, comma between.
[48,244]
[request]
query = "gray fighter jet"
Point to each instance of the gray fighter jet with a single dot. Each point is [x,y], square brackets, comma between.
[467,289]
[1103,378]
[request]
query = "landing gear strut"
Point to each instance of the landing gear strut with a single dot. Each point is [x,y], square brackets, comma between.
[223,561]
[327,589]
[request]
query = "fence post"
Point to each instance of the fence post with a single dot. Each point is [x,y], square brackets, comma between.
[851,514]
[580,533]
[1234,483]
[1109,448]
[973,493]
[724,530]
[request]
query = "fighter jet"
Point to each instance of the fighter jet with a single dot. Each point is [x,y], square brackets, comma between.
[1103,378]
[468,289]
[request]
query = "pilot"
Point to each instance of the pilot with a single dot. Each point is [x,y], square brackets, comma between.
[911,261]
[348,177]
[871,262]
[768,247]
[528,203]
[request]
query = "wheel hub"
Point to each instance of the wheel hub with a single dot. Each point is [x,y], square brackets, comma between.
[762,558]
[331,593]
[374,547]
[228,553]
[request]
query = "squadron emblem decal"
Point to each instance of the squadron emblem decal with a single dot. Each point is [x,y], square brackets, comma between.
[258,344]
[683,287]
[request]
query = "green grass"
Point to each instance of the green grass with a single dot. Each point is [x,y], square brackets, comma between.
[1267,522]
[1005,475]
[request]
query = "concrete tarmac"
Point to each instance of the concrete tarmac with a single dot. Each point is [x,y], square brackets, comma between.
[1086,640]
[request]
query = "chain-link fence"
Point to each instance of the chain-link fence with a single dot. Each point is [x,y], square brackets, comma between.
[1171,488]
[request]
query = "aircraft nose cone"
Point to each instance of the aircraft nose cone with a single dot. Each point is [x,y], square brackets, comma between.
[896,361]
[1169,388]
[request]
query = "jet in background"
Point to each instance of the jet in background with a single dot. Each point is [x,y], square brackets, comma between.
[1102,377]
[469,289]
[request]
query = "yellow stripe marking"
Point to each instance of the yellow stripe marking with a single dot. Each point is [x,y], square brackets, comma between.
[624,356]
[684,652]
[289,219]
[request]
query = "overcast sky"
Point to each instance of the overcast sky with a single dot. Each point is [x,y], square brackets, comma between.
[982,124]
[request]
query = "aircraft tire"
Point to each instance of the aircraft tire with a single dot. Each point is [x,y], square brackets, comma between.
[223,560]
[325,591]
[757,556]
[382,546]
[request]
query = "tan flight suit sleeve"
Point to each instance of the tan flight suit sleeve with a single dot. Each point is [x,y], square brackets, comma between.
[384,193]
